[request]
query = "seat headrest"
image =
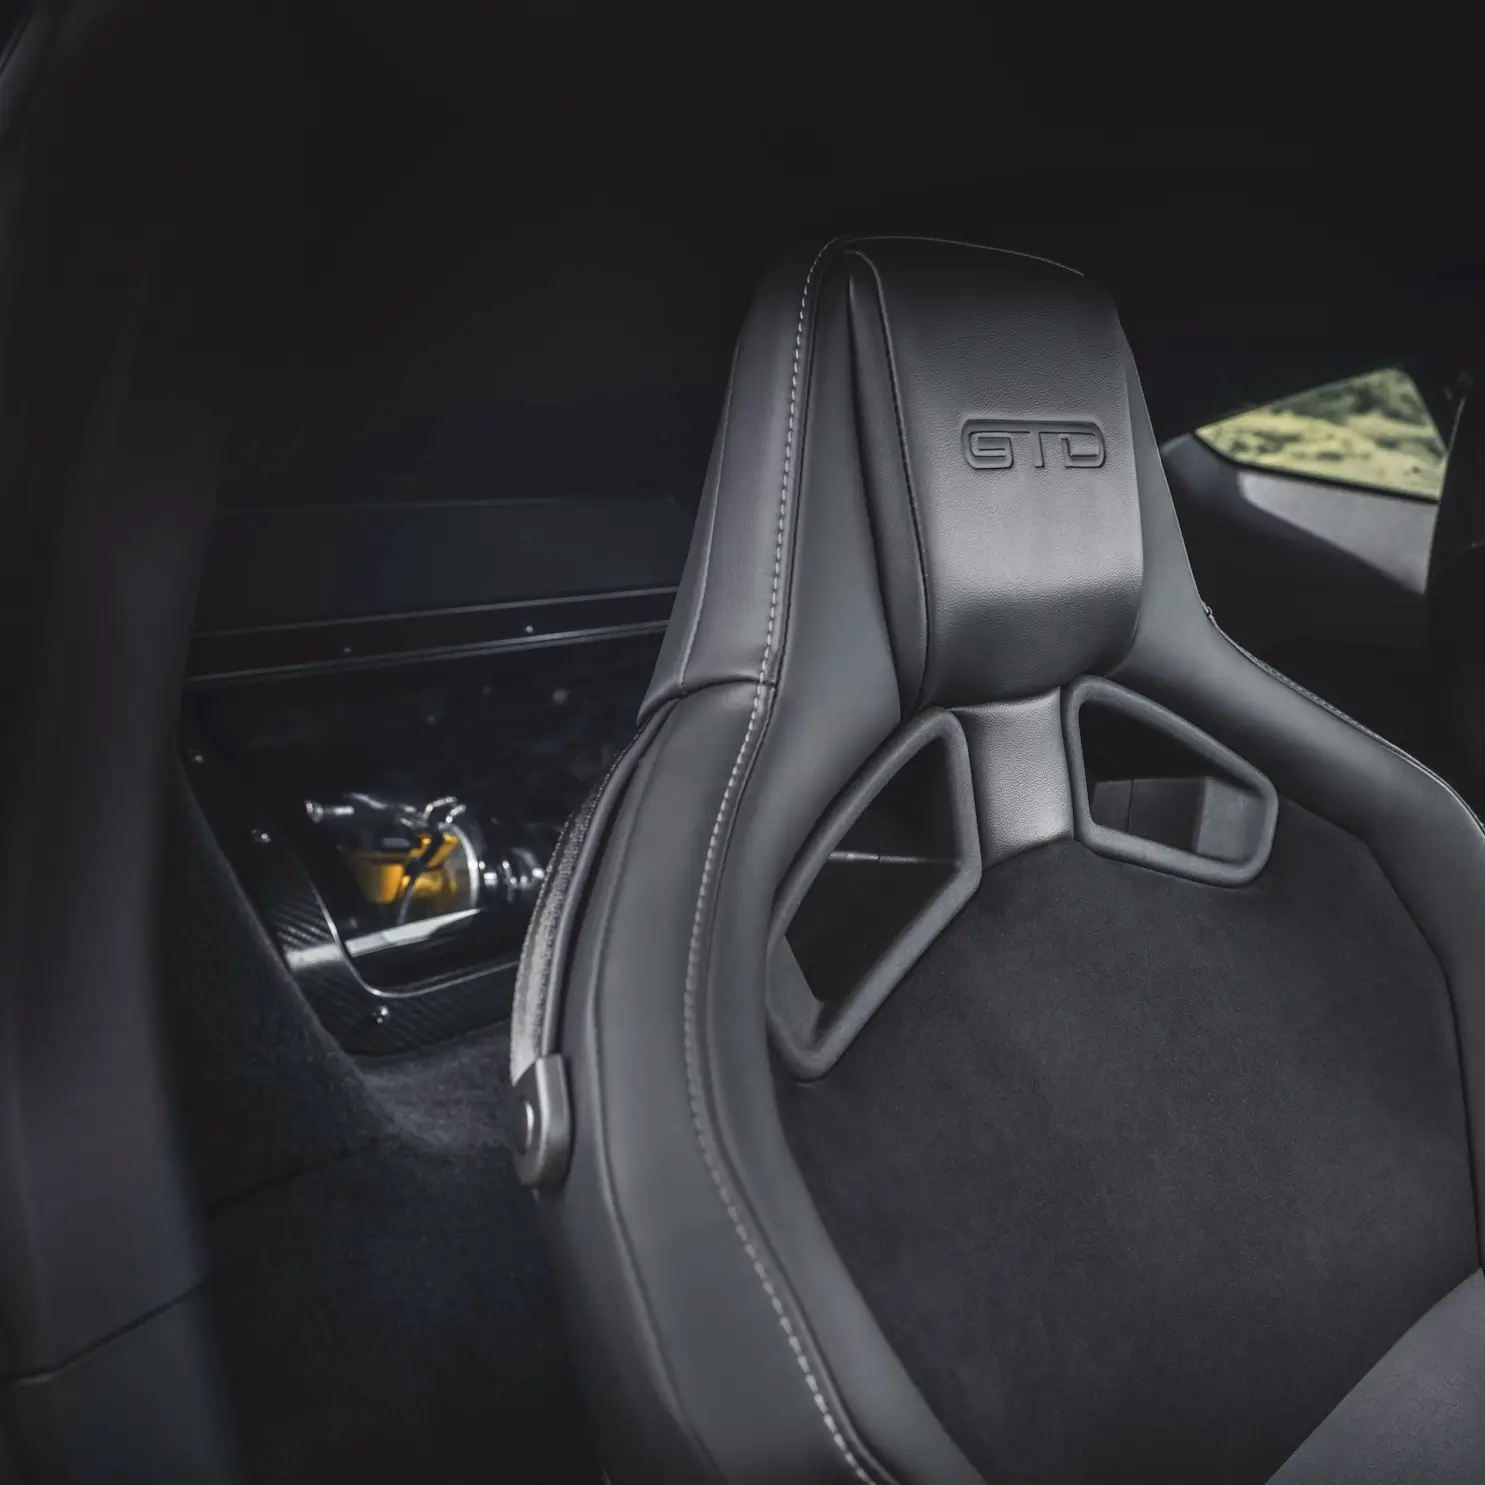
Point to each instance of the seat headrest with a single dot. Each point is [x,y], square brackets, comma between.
[991,436]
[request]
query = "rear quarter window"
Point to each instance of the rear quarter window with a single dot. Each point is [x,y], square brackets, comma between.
[1372,431]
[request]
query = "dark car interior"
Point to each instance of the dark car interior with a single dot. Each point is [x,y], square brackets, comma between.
[957,884]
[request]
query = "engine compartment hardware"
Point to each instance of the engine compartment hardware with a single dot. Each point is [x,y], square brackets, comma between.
[415,862]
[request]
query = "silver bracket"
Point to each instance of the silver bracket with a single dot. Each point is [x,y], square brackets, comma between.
[543,1123]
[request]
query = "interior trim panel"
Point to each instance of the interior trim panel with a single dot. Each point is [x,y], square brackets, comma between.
[883,875]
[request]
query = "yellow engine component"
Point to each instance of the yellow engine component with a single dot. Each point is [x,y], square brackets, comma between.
[383,876]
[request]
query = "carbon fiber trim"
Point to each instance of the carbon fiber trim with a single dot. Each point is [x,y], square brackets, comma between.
[363,1019]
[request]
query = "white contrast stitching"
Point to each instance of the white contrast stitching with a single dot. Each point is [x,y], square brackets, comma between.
[693,958]
[1336,712]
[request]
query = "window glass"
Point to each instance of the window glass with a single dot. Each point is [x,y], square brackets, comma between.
[1371,430]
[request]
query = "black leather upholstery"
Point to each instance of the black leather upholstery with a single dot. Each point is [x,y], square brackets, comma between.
[1456,594]
[935,483]
[997,581]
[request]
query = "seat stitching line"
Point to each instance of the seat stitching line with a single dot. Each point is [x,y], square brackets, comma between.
[1474,819]
[624,1247]
[693,957]
[1336,712]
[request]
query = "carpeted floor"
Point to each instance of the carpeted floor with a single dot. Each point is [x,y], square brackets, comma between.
[381,1294]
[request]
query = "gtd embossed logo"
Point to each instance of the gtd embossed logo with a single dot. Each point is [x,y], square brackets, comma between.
[995,445]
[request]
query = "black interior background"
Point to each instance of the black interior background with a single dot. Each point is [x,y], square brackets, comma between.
[479,250]
[511,245]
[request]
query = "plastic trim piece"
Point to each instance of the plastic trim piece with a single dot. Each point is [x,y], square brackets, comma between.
[144,1405]
[335,646]
[543,1134]
[811,1042]
[1122,846]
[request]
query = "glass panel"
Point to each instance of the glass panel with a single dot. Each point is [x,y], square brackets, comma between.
[1372,430]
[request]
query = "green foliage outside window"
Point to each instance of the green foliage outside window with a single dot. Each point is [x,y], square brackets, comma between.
[1370,430]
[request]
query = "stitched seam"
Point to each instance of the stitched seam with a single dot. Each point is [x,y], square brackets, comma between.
[1336,712]
[907,474]
[1407,757]
[643,1308]
[693,957]
[711,531]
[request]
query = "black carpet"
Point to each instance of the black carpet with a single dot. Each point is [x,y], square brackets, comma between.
[382,1299]
[454,1097]
[1141,1176]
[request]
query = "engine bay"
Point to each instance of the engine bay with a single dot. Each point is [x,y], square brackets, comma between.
[387,769]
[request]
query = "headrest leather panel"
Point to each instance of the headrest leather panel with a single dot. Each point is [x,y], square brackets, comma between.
[993,439]
[1015,427]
